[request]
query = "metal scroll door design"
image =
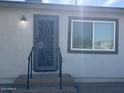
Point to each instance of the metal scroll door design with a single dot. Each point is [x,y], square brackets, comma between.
[45,43]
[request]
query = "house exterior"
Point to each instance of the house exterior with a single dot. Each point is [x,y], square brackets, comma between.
[104,62]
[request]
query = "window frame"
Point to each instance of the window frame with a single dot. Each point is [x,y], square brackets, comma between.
[115,21]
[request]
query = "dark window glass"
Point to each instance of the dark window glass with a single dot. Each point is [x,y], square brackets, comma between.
[82,35]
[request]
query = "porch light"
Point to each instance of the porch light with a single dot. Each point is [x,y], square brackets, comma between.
[23,19]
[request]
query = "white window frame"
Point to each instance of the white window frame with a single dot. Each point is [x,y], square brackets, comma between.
[93,22]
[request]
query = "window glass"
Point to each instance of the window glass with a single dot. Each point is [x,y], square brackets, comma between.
[104,35]
[82,35]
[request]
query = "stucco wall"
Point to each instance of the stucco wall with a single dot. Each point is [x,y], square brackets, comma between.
[16,42]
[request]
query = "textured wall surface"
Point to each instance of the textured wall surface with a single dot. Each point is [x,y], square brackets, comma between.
[16,40]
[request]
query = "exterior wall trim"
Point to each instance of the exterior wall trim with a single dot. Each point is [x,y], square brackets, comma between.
[99,79]
[60,7]
[77,79]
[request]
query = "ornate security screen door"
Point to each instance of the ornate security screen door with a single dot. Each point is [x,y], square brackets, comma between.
[45,42]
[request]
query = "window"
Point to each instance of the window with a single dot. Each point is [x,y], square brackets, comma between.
[93,35]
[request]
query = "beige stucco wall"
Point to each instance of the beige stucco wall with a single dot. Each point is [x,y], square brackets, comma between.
[16,42]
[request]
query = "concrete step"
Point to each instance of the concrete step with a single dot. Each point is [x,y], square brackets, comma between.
[44,80]
[46,90]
